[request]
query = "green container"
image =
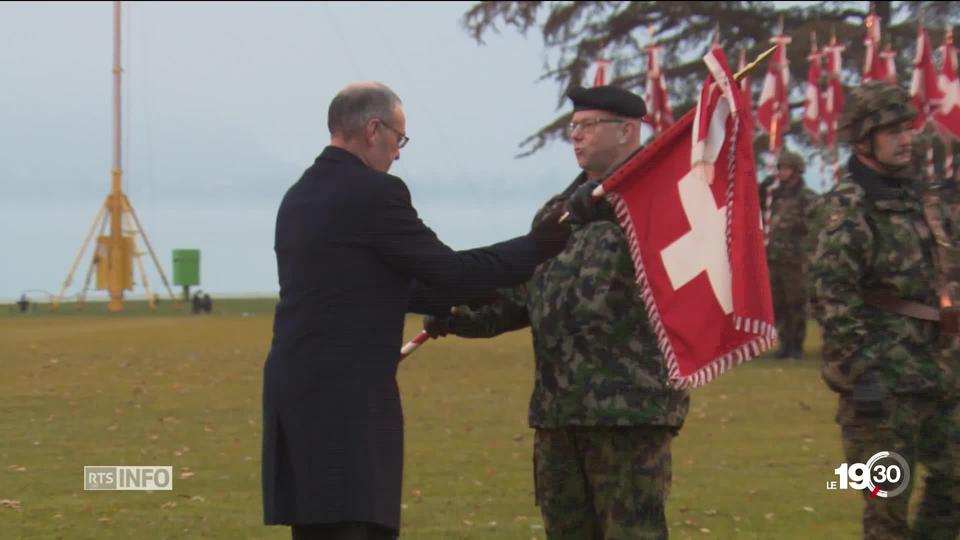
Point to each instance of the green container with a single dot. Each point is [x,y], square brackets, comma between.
[186,267]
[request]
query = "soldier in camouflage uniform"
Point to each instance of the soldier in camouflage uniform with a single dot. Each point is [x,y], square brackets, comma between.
[603,412]
[876,273]
[792,206]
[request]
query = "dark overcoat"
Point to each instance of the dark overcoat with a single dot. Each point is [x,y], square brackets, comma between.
[353,258]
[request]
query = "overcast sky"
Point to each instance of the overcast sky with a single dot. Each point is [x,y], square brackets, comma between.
[225,106]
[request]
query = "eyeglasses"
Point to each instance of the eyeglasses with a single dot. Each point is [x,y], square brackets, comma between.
[402,138]
[587,126]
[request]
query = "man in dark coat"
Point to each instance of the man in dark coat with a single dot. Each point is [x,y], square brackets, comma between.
[353,258]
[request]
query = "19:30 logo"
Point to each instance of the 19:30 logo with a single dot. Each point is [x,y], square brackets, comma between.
[882,468]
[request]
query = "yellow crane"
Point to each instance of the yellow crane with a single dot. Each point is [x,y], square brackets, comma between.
[115,253]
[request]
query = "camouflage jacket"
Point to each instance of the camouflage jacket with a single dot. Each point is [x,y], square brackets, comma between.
[791,223]
[876,238]
[597,360]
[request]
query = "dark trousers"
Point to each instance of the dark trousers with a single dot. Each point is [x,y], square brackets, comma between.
[347,530]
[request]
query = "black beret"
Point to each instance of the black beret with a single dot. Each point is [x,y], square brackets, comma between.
[608,98]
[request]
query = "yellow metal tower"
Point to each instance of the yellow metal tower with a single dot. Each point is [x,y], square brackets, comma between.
[114,254]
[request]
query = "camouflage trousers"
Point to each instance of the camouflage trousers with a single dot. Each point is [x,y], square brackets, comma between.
[924,431]
[603,483]
[789,289]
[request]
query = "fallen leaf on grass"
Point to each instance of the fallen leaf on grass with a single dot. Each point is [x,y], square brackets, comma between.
[11,504]
[186,474]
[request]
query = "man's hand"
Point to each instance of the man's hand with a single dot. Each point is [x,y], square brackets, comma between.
[436,326]
[548,229]
[581,205]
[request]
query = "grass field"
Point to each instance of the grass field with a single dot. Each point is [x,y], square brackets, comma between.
[89,388]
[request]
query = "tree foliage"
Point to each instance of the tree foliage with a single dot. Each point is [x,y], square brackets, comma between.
[575,34]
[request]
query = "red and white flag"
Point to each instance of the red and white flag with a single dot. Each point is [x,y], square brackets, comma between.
[833,96]
[688,204]
[923,84]
[659,115]
[873,69]
[600,77]
[888,65]
[947,116]
[812,119]
[773,110]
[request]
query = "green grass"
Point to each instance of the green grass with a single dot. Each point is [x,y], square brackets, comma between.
[91,388]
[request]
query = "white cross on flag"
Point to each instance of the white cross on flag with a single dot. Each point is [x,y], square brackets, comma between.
[947,117]
[689,206]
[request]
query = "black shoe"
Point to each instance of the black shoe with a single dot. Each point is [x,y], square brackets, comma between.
[782,352]
[796,353]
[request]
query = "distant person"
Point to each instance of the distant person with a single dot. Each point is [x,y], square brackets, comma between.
[603,412]
[196,304]
[207,304]
[353,257]
[790,215]
[23,304]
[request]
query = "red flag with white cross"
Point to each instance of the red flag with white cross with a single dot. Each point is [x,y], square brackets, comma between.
[689,206]
[813,101]
[947,117]
[924,89]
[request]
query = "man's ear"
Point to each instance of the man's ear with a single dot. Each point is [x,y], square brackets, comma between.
[370,130]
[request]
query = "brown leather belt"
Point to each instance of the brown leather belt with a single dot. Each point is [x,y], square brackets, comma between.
[889,302]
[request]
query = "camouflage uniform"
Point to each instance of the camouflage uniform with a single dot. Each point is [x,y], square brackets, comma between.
[895,384]
[603,412]
[791,213]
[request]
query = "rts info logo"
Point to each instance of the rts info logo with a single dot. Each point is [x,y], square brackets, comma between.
[886,468]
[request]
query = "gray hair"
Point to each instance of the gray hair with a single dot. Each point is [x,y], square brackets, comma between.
[357,104]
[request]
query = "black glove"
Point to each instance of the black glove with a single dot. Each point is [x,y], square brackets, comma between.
[581,205]
[549,230]
[436,326]
[869,395]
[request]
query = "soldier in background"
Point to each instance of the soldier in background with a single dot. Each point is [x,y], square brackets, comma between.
[877,276]
[788,247]
[603,412]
